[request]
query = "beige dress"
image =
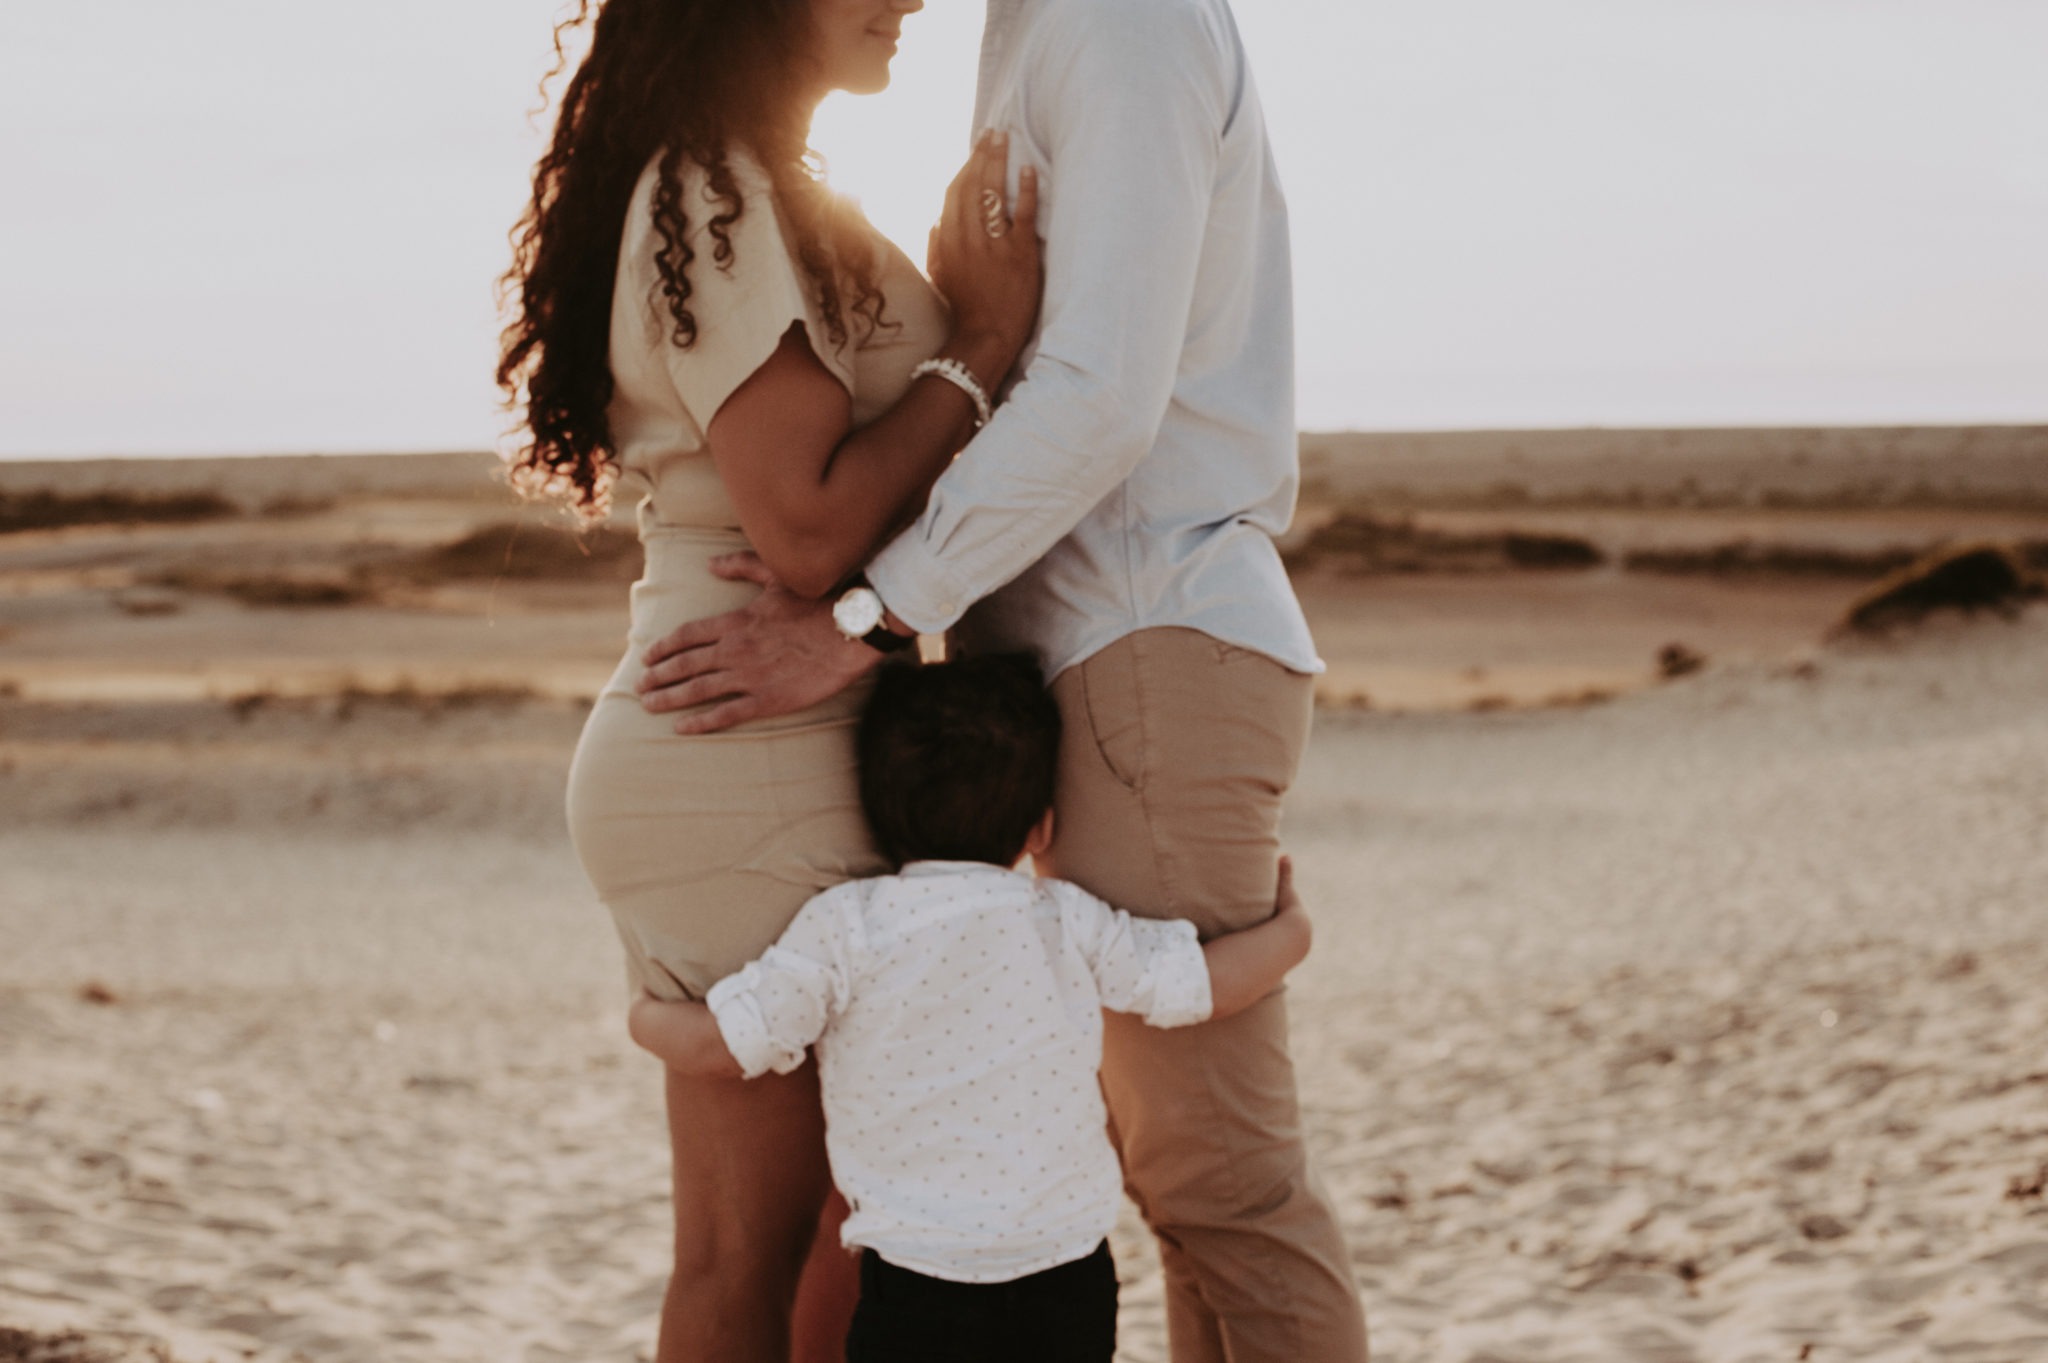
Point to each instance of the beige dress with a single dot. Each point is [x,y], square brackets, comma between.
[705,848]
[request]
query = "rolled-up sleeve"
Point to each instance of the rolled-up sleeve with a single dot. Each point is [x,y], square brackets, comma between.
[1153,968]
[774,1008]
[1130,112]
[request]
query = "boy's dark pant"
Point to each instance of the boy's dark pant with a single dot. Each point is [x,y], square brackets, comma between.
[1062,1315]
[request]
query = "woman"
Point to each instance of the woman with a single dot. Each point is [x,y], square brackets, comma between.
[700,323]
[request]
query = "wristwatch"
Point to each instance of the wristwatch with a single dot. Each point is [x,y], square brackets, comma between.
[860,615]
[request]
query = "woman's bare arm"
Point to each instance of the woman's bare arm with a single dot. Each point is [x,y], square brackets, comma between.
[816,497]
[684,1036]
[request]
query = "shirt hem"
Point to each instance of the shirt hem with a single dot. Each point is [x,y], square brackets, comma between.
[1007,1274]
[1301,665]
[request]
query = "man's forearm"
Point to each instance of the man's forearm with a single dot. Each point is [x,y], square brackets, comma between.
[1050,457]
[1132,115]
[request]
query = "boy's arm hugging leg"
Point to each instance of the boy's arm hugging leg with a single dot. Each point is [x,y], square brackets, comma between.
[1247,965]
[764,1016]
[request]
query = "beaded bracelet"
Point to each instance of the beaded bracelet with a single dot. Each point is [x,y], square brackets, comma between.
[961,377]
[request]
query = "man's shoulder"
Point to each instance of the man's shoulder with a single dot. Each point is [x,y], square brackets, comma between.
[1119,11]
[1145,22]
[746,186]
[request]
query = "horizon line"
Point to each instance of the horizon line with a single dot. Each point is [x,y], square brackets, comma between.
[1303,433]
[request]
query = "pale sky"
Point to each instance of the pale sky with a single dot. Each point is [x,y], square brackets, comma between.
[238,226]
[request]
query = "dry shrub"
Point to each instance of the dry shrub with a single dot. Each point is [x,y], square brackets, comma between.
[1746,556]
[1528,549]
[477,695]
[264,590]
[404,696]
[54,510]
[1363,543]
[1676,660]
[146,604]
[407,696]
[504,550]
[1967,578]
[19,1346]
[286,593]
[513,549]
[1351,699]
[291,505]
[2028,1187]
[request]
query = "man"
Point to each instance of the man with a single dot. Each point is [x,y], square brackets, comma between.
[1117,517]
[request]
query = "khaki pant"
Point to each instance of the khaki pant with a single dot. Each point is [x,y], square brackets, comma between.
[1177,751]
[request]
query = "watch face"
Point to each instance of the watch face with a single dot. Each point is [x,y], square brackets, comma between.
[857,612]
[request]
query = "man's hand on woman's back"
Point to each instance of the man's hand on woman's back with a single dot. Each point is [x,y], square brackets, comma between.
[778,654]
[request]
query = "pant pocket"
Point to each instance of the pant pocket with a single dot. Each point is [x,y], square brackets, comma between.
[1114,701]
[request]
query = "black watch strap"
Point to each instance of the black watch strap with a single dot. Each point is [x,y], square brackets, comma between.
[885,640]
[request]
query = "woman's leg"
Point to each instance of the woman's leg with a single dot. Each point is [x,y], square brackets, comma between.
[829,1291]
[750,1183]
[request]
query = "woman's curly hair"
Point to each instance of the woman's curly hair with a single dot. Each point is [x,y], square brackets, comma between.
[687,81]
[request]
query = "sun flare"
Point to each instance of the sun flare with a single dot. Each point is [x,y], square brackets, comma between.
[895,152]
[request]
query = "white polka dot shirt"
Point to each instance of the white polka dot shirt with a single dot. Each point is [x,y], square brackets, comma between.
[956,1009]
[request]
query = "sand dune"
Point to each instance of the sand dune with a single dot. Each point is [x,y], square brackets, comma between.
[377,573]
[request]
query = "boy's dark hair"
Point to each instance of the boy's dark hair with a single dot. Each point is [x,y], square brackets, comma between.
[957,759]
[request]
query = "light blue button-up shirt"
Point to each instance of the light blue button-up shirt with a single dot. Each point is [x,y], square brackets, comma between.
[1146,454]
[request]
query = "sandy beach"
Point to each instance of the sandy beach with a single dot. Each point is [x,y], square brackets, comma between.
[1662,1013]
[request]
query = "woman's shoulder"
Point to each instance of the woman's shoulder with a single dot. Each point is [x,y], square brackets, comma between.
[737,187]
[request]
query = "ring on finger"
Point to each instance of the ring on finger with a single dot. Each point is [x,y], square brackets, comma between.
[993,219]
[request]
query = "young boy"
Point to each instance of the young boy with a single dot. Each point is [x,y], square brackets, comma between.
[955,1007]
